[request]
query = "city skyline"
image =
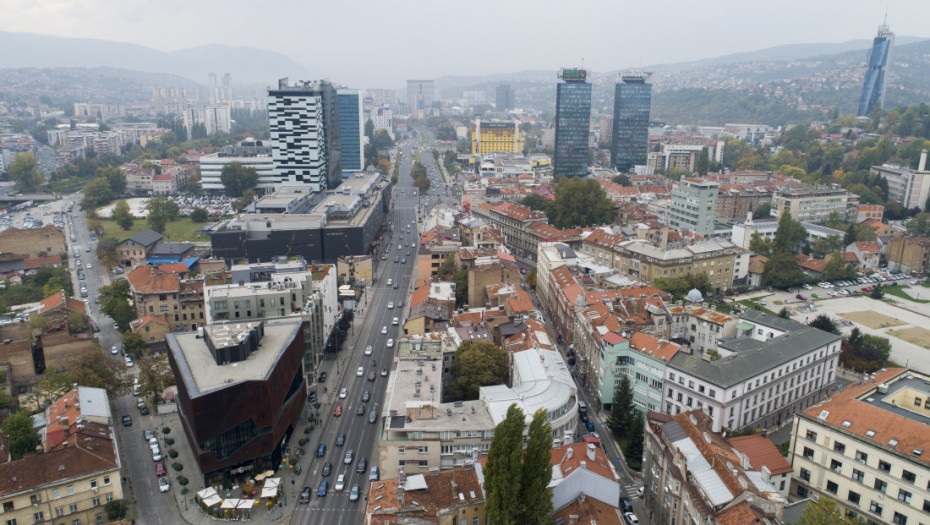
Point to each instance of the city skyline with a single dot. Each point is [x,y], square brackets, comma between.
[728,27]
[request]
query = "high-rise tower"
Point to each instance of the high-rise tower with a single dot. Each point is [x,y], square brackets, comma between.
[873,89]
[351,129]
[572,123]
[504,98]
[630,137]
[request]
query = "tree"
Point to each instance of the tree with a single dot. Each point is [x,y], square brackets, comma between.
[762,211]
[837,268]
[133,344]
[535,201]
[580,203]
[531,278]
[23,438]
[759,244]
[680,286]
[122,215]
[154,375]
[96,193]
[446,269]
[369,129]
[237,178]
[822,246]
[477,364]
[77,323]
[38,322]
[114,302]
[919,224]
[877,293]
[621,408]
[97,370]
[248,197]
[25,173]
[703,162]
[782,271]
[823,322]
[535,501]
[161,211]
[622,180]
[503,469]
[115,178]
[199,214]
[789,235]
[784,313]
[823,511]
[635,437]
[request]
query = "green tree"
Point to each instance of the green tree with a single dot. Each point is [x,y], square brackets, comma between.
[23,438]
[622,180]
[503,469]
[824,511]
[114,177]
[703,162]
[477,364]
[877,293]
[634,440]
[96,369]
[782,271]
[580,203]
[823,322]
[134,344]
[836,268]
[680,286]
[237,178]
[161,211]
[369,129]
[822,246]
[919,224]
[535,201]
[114,302]
[621,408]
[122,215]
[154,375]
[759,244]
[762,211]
[38,322]
[447,268]
[789,235]
[96,192]
[536,473]
[199,214]
[248,197]
[77,323]
[25,173]
[784,313]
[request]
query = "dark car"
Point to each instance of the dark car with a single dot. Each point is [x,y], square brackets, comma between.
[321,378]
[305,495]
[366,396]
[327,468]
[127,421]
[362,465]
[371,375]
[321,450]
[360,411]
[341,439]
[324,488]
[626,505]
[583,416]
[590,426]
[311,396]
[801,297]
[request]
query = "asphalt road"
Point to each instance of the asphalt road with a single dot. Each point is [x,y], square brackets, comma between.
[361,436]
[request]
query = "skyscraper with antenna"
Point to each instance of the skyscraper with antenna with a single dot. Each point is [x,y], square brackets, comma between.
[873,89]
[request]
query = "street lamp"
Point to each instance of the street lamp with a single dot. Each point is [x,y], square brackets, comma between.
[283,467]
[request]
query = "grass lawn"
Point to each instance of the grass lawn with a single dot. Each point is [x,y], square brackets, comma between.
[181,229]
[898,292]
[751,304]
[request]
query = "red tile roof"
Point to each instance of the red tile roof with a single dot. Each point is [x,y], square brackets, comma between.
[569,458]
[762,453]
[33,263]
[59,299]
[591,511]
[148,279]
[649,345]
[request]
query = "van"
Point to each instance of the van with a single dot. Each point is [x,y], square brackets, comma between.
[373,473]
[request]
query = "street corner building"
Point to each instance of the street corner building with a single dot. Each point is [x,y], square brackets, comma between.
[241,388]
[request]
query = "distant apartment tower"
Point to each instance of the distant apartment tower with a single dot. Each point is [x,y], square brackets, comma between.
[420,97]
[496,137]
[504,97]
[632,97]
[694,206]
[215,118]
[572,123]
[351,129]
[380,97]
[306,145]
[873,88]
[909,187]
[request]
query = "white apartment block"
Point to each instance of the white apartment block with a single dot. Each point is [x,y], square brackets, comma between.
[215,118]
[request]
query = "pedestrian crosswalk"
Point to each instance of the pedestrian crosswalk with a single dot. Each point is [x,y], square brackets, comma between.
[631,489]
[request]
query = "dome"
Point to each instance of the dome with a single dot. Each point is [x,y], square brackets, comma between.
[694,296]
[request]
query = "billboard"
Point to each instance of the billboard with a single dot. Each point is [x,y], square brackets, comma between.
[573,75]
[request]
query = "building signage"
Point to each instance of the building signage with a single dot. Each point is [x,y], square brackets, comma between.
[574,74]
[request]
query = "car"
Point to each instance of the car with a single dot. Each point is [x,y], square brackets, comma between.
[396,258]
[390,343]
[383,372]
[156,455]
[148,435]
[630,519]
[639,492]
[626,505]
[384,329]
[341,439]
[114,349]
[348,457]
[373,473]
[589,426]
[143,409]
[368,348]
[354,493]
[394,321]
[164,485]
[395,286]
[160,469]
[371,375]
[366,395]
[127,420]
[360,411]
[806,286]
[327,469]
[390,305]
[400,303]
[128,361]
[800,297]
[390,282]
[324,488]
[321,450]
[321,378]
[403,261]
[305,495]
[360,372]
[337,411]
[815,295]
[362,465]
[372,416]
[311,396]
[583,416]
[87,249]
[340,482]
[89,266]
[763,302]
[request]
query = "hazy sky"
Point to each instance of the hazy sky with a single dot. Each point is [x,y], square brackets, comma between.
[368,43]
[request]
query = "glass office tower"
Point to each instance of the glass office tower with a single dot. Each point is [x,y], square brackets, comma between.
[630,137]
[873,89]
[572,123]
[350,128]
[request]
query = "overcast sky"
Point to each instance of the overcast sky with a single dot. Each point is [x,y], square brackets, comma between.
[367,43]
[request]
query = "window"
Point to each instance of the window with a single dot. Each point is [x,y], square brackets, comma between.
[11,521]
[927,505]
[908,476]
[836,466]
[904,496]
[858,475]
[38,516]
[69,489]
[853,497]
[880,485]
[811,435]
[75,522]
[899,519]
[802,491]
[109,497]
[832,487]
[808,454]
[839,447]
[8,506]
[876,508]
[95,501]
[72,507]
[805,474]
[884,466]
[56,493]
[93,484]
[861,457]
[59,511]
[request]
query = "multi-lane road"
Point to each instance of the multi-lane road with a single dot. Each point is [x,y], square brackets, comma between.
[360,435]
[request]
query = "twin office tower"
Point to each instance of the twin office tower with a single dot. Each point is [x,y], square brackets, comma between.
[630,134]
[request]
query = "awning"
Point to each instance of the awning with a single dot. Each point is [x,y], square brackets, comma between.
[230,503]
[264,475]
[742,326]
[270,489]
[206,493]
[212,500]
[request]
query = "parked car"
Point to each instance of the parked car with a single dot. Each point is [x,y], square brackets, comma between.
[630,519]
[800,297]
[127,421]
[164,485]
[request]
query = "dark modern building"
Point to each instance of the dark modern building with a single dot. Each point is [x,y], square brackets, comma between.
[350,129]
[630,137]
[572,123]
[504,98]
[873,89]
[241,389]
[306,146]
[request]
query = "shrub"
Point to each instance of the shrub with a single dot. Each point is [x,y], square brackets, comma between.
[172,453]
[178,467]
[166,430]
[303,441]
[169,441]
[183,481]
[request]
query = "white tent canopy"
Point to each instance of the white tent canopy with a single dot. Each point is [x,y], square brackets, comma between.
[230,503]
[270,489]
[209,497]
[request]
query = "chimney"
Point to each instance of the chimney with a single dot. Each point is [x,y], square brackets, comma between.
[569,453]
[923,161]
[591,453]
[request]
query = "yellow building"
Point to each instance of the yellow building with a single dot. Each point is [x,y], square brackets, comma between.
[496,137]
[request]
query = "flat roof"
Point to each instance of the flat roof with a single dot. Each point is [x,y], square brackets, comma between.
[199,370]
[541,380]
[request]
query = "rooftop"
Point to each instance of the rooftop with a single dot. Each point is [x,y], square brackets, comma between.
[540,380]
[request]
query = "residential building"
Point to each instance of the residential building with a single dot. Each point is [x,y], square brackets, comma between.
[351,129]
[514,221]
[305,139]
[870,212]
[908,254]
[735,201]
[29,242]
[572,123]
[355,268]
[907,186]
[70,482]
[490,273]
[249,153]
[504,98]
[694,206]
[270,392]
[452,497]
[696,475]
[588,510]
[873,87]
[864,448]
[215,118]
[632,99]
[811,203]
[496,136]
[642,358]
[56,309]
[551,256]
[762,453]
[151,328]
[135,250]
[773,368]
[381,118]
[717,258]
[582,469]
[701,327]
[79,406]
[162,293]
[420,97]
[868,255]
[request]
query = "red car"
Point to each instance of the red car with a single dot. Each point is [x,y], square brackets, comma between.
[337,411]
[160,469]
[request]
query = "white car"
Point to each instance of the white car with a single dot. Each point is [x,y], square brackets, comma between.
[114,349]
[384,329]
[340,482]
[163,484]
[390,343]
[128,361]
[806,286]
[631,518]
[360,372]
[391,305]
[89,266]
[343,393]
[394,322]
[368,348]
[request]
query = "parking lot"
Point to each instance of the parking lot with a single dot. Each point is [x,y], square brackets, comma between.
[216,205]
